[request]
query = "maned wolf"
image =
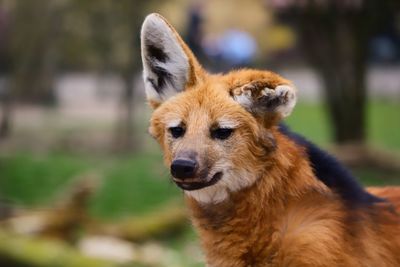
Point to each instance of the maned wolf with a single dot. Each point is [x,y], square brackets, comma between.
[259,195]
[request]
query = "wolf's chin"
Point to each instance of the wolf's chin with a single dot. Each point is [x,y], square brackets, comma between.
[191,186]
[232,181]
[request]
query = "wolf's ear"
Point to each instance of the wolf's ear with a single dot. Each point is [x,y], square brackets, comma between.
[263,101]
[168,64]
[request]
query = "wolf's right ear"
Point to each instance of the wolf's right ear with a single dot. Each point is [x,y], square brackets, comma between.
[168,64]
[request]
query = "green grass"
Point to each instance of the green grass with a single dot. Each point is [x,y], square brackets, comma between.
[383,124]
[376,177]
[129,185]
[33,179]
[311,121]
[133,185]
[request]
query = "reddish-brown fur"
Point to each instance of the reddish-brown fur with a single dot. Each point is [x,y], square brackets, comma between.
[287,217]
[302,223]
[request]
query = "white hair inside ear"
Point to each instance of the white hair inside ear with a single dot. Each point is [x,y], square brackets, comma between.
[287,94]
[279,100]
[165,63]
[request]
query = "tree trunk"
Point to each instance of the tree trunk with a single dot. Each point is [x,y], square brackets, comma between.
[127,134]
[346,103]
[6,112]
[335,46]
[126,140]
[345,85]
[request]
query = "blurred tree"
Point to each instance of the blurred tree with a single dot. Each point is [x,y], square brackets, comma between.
[33,49]
[334,36]
[43,37]
[104,35]
[5,100]
[27,53]
[128,14]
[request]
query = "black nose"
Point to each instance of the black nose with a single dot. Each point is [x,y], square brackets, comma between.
[183,168]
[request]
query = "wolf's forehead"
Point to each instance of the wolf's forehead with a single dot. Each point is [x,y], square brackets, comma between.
[202,117]
[202,106]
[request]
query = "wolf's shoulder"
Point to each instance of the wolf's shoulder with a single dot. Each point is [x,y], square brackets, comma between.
[331,172]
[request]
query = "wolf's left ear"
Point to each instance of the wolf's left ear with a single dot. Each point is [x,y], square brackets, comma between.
[266,100]
[168,64]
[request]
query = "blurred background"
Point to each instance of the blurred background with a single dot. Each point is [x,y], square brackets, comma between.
[81,181]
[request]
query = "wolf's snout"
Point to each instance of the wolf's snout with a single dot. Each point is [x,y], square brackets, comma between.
[183,168]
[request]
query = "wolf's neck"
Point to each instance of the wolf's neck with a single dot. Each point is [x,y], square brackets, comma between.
[250,206]
[233,232]
[236,212]
[259,209]
[287,176]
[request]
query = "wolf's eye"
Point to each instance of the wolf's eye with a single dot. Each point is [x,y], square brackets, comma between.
[177,131]
[221,133]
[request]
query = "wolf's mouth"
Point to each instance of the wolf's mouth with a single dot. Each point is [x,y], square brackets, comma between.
[190,186]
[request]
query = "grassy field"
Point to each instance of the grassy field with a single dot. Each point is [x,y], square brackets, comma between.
[136,184]
[383,124]
[127,185]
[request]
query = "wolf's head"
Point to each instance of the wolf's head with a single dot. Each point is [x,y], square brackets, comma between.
[216,131]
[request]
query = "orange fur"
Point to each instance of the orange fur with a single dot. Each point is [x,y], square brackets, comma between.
[302,223]
[280,214]
[389,192]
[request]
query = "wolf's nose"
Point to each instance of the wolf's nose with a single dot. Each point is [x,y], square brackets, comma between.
[183,168]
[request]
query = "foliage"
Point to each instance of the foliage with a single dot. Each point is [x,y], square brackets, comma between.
[84,35]
[334,36]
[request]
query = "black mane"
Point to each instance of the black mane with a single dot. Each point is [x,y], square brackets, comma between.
[332,173]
